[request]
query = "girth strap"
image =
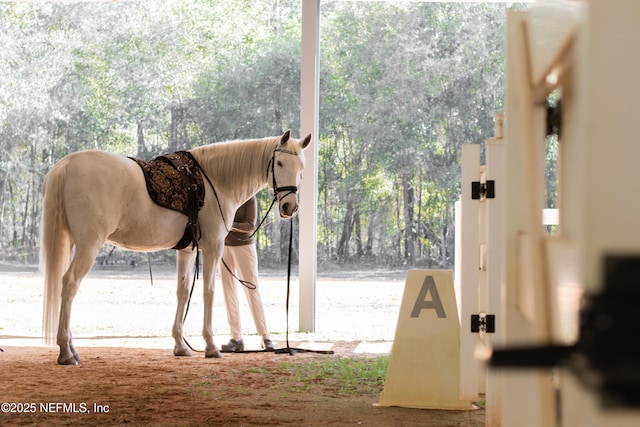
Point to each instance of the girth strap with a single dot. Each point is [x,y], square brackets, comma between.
[192,232]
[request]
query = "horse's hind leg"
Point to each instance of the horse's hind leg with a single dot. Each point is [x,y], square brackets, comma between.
[80,266]
[184,263]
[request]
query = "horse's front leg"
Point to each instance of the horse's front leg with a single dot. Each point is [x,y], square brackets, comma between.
[185,261]
[209,266]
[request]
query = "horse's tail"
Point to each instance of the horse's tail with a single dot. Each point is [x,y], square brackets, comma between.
[55,248]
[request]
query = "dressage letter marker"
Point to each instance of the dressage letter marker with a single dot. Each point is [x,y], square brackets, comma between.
[424,369]
[428,286]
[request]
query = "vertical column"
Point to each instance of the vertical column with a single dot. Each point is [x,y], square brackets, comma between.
[309,118]
[495,171]
[600,208]
[611,139]
[527,398]
[469,264]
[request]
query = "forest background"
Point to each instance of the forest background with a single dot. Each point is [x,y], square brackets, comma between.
[403,85]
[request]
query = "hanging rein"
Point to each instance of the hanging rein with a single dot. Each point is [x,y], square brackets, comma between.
[290,189]
[194,225]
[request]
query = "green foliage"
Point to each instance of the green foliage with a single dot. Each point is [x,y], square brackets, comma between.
[336,376]
[348,376]
[402,99]
[403,85]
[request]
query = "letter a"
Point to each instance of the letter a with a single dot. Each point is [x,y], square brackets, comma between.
[428,286]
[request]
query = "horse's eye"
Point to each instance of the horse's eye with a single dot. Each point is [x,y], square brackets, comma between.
[279,163]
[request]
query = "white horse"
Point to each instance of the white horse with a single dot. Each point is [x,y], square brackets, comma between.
[91,197]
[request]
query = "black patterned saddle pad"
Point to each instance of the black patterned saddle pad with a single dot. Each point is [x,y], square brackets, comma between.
[170,179]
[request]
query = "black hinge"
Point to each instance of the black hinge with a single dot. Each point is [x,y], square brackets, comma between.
[481,190]
[554,118]
[483,322]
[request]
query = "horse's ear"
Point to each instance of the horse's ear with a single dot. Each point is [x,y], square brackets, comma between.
[305,142]
[285,137]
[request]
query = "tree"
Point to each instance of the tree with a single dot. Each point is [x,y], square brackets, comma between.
[403,85]
[408,96]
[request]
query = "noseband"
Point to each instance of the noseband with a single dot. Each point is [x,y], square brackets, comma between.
[289,189]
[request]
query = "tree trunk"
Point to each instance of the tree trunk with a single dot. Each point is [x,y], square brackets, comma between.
[33,220]
[178,139]
[173,129]
[14,218]
[3,183]
[343,243]
[418,228]
[279,127]
[370,236]
[25,213]
[142,148]
[357,231]
[409,235]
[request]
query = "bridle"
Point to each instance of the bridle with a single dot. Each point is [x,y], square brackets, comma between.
[289,189]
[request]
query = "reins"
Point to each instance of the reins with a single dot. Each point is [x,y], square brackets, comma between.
[289,189]
[288,349]
[197,266]
[247,284]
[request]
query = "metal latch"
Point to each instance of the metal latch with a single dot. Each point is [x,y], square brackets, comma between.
[480,190]
[483,322]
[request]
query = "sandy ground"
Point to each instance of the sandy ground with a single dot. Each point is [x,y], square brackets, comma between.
[128,375]
[124,308]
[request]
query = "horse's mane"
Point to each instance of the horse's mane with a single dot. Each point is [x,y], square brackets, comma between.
[236,164]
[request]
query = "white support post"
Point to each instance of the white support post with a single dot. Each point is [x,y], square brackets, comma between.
[495,171]
[479,255]
[600,210]
[309,118]
[528,396]
[469,264]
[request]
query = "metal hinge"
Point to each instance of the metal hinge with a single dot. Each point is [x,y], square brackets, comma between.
[486,190]
[483,322]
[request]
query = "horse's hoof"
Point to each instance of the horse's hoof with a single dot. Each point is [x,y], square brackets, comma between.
[181,351]
[71,360]
[213,353]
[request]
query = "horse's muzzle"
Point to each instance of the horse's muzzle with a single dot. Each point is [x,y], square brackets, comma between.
[287,209]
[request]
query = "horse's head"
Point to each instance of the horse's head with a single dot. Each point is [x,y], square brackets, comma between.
[285,170]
